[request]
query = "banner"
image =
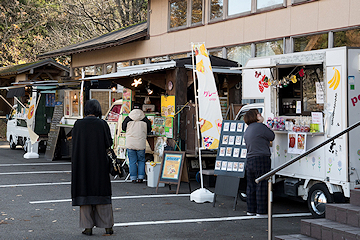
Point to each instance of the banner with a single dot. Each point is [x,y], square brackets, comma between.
[30,120]
[210,117]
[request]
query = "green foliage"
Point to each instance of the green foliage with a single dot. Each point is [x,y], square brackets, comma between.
[31,27]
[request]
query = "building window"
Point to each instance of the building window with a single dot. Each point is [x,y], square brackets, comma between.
[120,65]
[216,9]
[313,42]
[177,56]
[269,48]
[268,3]
[196,11]
[301,1]
[179,14]
[237,7]
[217,53]
[90,71]
[350,38]
[77,72]
[240,54]
[99,70]
[109,68]
[159,59]
[137,62]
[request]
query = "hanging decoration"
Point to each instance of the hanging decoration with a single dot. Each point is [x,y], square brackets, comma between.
[265,82]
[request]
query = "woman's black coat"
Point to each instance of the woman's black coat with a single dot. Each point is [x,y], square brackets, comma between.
[90,180]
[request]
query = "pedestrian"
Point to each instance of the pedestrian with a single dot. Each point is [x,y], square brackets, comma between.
[257,139]
[90,180]
[136,126]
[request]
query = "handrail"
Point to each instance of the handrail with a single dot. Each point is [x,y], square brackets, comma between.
[284,165]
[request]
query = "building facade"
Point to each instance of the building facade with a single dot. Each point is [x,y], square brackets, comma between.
[232,30]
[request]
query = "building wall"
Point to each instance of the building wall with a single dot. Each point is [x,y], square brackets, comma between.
[290,21]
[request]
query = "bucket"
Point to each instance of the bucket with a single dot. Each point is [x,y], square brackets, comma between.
[153,171]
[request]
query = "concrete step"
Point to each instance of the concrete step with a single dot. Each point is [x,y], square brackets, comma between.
[294,237]
[355,197]
[343,213]
[326,229]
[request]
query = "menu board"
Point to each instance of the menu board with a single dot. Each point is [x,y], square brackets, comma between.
[161,126]
[231,156]
[54,132]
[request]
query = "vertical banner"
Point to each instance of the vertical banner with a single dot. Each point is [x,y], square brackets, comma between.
[210,117]
[30,120]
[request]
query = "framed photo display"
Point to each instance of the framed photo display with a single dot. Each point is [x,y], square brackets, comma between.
[231,156]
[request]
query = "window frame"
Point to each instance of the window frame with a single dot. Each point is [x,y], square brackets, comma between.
[253,10]
[298,2]
[188,15]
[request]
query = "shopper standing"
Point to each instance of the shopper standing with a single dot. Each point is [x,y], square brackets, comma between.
[90,180]
[136,126]
[257,138]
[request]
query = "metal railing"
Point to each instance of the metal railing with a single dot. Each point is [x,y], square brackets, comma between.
[284,165]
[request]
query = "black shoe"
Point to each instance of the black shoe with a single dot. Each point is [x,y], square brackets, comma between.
[109,231]
[134,181]
[87,231]
[139,180]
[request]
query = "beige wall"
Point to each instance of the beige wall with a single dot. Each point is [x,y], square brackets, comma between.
[318,16]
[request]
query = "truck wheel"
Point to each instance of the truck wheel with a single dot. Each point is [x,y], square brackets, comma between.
[12,143]
[25,147]
[318,196]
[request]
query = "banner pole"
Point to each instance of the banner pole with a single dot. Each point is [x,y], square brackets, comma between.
[200,195]
[197,114]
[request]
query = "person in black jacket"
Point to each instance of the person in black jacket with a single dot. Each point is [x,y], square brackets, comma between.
[90,180]
[136,126]
[257,139]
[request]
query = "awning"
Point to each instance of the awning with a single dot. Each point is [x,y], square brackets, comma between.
[135,70]
[15,92]
[219,69]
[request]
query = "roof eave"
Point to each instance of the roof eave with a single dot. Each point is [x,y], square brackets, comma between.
[128,39]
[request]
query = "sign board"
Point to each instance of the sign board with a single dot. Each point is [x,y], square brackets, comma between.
[171,168]
[231,156]
[54,132]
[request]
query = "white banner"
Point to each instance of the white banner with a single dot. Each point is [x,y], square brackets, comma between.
[210,117]
[30,120]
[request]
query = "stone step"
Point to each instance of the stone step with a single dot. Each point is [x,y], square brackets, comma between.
[326,229]
[355,197]
[294,237]
[343,213]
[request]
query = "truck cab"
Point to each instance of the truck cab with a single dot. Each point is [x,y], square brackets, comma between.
[259,106]
[16,129]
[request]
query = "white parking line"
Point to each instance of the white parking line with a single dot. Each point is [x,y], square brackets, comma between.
[41,172]
[47,184]
[208,219]
[32,164]
[116,198]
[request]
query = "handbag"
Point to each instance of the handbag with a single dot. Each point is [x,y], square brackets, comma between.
[116,169]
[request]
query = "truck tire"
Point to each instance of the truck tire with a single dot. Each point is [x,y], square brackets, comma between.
[318,197]
[12,143]
[25,147]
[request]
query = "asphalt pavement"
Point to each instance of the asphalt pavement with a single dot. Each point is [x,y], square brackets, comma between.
[35,203]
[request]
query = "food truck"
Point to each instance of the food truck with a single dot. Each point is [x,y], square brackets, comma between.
[309,97]
[17,133]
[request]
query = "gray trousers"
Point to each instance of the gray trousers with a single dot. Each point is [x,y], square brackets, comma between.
[100,216]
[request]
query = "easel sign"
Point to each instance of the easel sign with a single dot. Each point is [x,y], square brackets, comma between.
[171,168]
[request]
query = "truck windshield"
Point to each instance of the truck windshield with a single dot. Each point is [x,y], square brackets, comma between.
[242,114]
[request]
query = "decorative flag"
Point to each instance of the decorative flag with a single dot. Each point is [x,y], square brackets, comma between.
[30,120]
[210,116]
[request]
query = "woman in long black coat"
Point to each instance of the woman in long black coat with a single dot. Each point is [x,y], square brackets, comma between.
[90,180]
